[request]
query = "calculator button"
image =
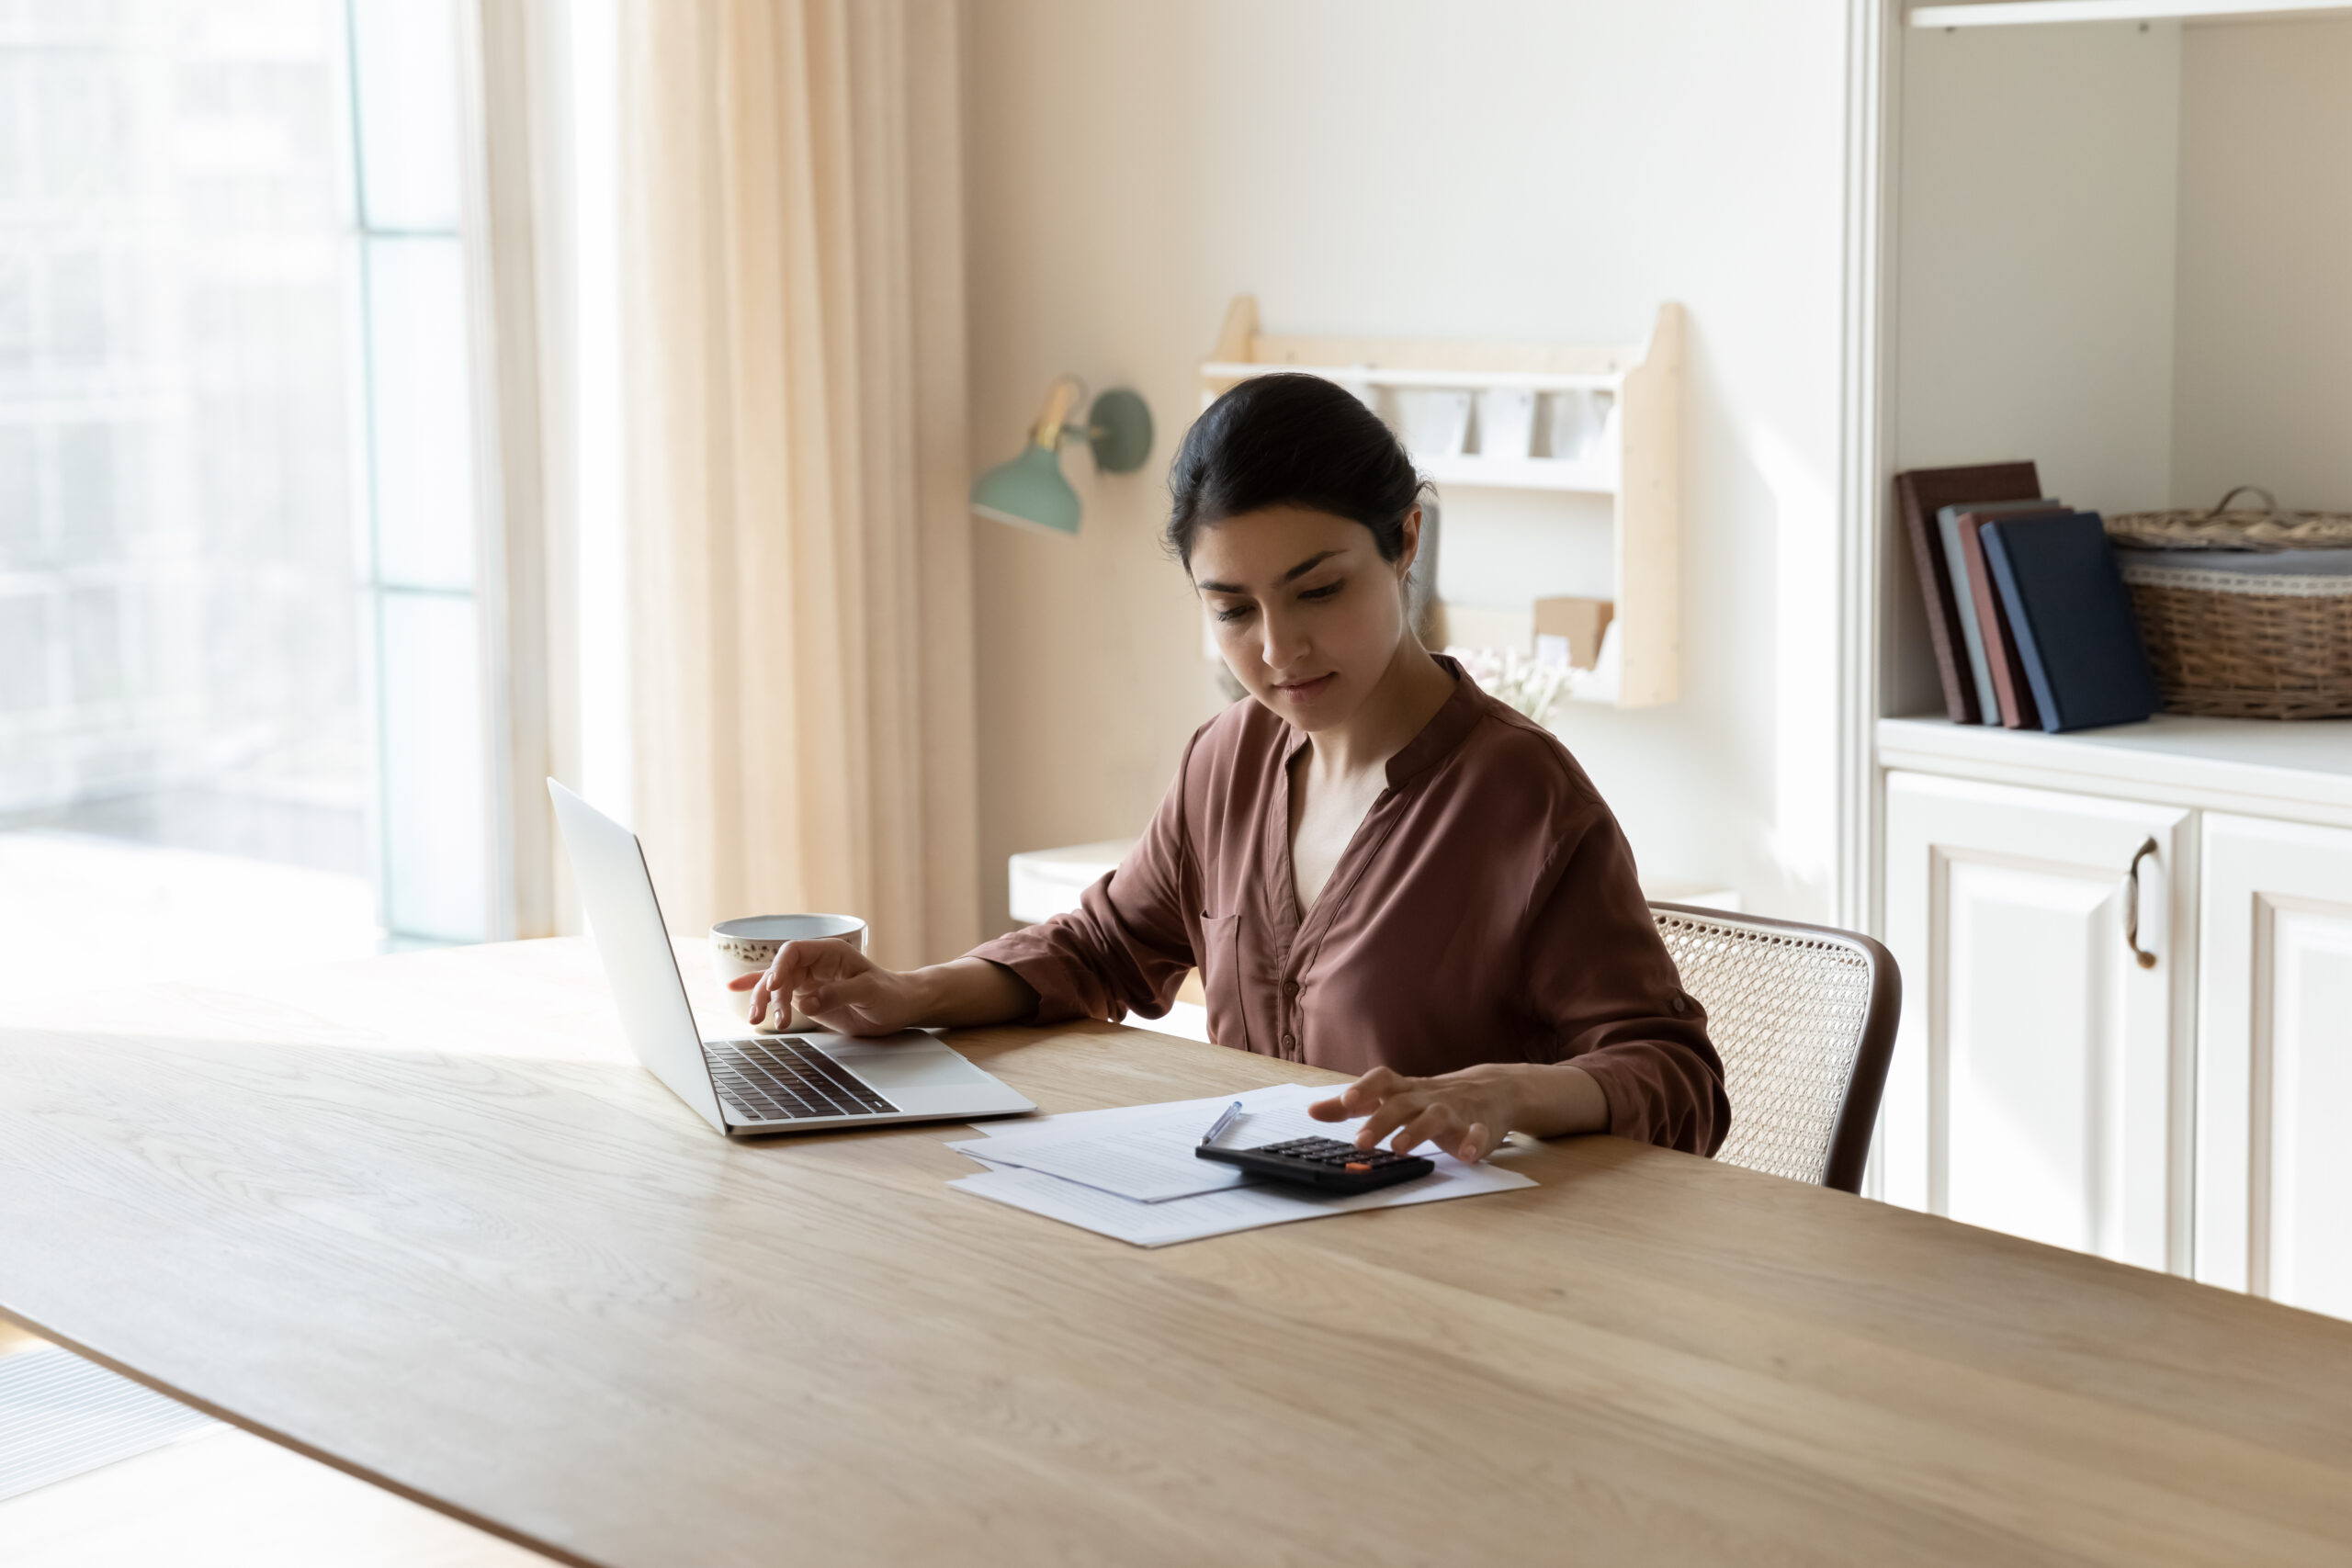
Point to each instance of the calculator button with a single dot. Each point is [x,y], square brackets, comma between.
[1358,1164]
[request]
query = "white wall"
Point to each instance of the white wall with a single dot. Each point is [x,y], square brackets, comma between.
[2262,383]
[1508,169]
[2040,169]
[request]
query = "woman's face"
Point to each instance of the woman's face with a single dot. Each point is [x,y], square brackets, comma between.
[1308,616]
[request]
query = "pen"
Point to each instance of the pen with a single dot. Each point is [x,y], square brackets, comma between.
[1222,1122]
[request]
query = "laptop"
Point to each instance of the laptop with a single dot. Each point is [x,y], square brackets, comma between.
[755,1083]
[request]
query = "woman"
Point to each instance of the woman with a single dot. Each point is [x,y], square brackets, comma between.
[1375,865]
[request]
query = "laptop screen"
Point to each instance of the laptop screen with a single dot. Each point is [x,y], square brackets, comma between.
[625,920]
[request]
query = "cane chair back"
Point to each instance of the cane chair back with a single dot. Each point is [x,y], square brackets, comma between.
[1804,1017]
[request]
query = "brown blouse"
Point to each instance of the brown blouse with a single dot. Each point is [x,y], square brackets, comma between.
[1485,911]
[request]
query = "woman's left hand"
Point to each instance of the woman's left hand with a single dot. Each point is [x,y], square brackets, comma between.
[1465,1113]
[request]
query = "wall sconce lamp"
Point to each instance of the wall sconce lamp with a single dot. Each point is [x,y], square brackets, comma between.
[1030,492]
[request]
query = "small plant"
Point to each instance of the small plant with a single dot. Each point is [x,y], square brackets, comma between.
[1515,680]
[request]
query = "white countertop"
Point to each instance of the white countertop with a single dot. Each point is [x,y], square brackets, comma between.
[2263,767]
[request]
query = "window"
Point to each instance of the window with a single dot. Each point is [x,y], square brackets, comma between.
[240,695]
[417,499]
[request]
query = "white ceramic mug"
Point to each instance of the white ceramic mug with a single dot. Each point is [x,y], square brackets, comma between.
[749,946]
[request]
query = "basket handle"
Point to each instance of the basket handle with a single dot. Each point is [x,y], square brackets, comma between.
[2269,501]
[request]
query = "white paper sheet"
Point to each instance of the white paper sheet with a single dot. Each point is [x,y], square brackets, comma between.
[1219,1213]
[1146,1151]
[1131,1171]
[1073,1121]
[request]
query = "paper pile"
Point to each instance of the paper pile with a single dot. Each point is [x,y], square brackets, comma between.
[1131,1172]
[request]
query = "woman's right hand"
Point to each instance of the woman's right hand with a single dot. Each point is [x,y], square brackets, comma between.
[837,985]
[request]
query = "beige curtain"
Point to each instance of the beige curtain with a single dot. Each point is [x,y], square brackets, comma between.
[792,289]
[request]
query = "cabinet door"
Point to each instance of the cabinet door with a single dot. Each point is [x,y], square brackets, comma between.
[2041,1081]
[2274,1076]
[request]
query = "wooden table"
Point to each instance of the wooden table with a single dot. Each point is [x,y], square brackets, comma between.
[421,1218]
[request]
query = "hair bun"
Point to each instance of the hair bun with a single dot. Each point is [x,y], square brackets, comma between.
[1291,439]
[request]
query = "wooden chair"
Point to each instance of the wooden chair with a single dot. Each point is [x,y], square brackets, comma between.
[1803,1017]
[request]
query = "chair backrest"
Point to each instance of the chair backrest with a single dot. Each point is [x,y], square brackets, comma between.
[1804,1017]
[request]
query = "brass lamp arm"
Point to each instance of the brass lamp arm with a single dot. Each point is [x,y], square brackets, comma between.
[1052,421]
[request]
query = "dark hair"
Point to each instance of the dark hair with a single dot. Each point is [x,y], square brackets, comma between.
[1291,440]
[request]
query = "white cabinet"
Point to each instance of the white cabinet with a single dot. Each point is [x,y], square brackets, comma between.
[2184,1116]
[2040,1080]
[2273,1187]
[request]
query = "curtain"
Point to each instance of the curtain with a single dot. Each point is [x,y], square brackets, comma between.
[801,617]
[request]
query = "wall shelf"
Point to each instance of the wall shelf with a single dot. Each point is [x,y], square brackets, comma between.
[1520,473]
[2027,13]
[1640,466]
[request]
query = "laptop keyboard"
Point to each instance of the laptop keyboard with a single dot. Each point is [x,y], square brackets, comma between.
[779,1079]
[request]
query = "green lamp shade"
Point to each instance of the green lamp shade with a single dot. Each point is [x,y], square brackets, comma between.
[1029,492]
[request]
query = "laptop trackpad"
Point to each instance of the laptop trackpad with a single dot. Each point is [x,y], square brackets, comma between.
[895,1071]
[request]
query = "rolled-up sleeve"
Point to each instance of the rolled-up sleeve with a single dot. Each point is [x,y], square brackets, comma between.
[1129,945]
[1606,989]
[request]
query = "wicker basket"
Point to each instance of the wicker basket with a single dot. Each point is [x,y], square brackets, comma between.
[2246,613]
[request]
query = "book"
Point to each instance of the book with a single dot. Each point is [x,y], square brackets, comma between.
[1919,494]
[2012,692]
[2072,618]
[1963,588]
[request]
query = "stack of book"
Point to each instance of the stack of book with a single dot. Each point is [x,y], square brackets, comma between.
[2031,624]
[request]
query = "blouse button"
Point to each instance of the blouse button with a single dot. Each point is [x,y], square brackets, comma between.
[1290,1041]
[1290,988]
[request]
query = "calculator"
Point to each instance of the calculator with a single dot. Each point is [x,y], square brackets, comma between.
[1324,1164]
